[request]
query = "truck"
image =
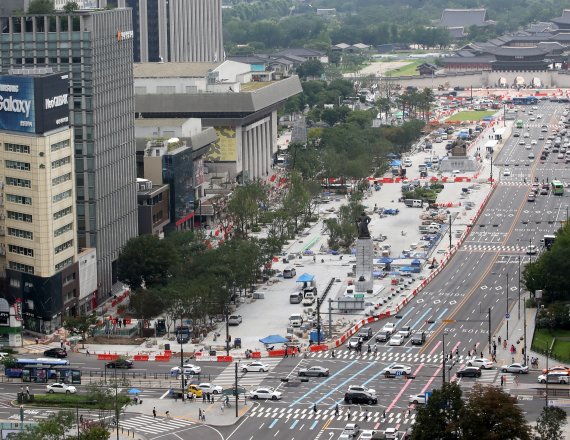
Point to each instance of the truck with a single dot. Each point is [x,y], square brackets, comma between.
[412,203]
[309,298]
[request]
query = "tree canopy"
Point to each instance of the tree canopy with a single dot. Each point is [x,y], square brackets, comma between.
[41,7]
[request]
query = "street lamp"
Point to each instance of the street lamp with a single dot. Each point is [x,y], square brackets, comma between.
[507,313]
[182,337]
[443,353]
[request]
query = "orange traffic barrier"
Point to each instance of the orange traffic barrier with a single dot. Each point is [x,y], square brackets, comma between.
[277,353]
[321,347]
[256,355]
[224,358]
[162,358]
[140,357]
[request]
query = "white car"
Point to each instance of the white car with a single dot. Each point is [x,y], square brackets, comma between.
[353,342]
[255,366]
[61,388]
[417,399]
[362,388]
[210,388]
[188,369]
[526,135]
[389,327]
[397,339]
[515,368]
[531,250]
[367,434]
[397,369]
[522,142]
[481,363]
[506,173]
[265,393]
[531,155]
[528,147]
[234,320]
[533,142]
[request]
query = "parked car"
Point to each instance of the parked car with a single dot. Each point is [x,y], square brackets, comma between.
[289,272]
[315,371]
[61,388]
[480,362]
[515,368]
[469,372]
[210,388]
[188,369]
[360,397]
[56,352]
[120,363]
[234,320]
[255,366]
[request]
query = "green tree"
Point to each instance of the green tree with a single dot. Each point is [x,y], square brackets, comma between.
[549,424]
[41,7]
[80,325]
[439,418]
[146,260]
[492,414]
[310,68]
[146,303]
[243,207]
[53,428]
[71,6]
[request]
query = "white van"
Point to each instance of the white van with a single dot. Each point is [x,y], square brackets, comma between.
[407,162]
[295,320]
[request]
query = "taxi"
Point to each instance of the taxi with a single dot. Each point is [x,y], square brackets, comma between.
[193,389]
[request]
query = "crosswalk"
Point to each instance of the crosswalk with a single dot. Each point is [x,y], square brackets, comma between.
[149,425]
[493,248]
[386,356]
[357,414]
[37,348]
[247,380]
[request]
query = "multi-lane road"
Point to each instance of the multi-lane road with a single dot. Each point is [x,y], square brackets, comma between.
[452,310]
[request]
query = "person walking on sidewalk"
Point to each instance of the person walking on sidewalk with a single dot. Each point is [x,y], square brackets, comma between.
[154,413]
[200,414]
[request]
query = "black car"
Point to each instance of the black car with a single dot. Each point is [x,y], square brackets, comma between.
[382,336]
[469,372]
[360,397]
[418,338]
[56,353]
[120,363]
[365,333]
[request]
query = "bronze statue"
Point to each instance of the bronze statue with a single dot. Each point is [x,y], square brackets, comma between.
[362,226]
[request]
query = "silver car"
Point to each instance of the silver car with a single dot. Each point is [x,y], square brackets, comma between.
[315,371]
[515,368]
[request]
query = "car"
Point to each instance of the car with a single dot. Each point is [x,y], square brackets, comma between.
[207,387]
[389,327]
[56,352]
[516,134]
[398,369]
[531,155]
[506,172]
[362,388]
[528,146]
[522,142]
[265,393]
[530,197]
[187,368]
[480,362]
[382,336]
[539,116]
[560,156]
[61,388]
[391,434]
[526,135]
[353,342]
[544,130]
[367,434]
[532,118]
[234,320]
[120,363]
[558,368]
[316,371]
[365,333]
[289,272]
[541,137]
[417,399]
[469,372]
[544,191]
[255,366]
[397,339]
[418,338]
[351,429]
[515,368]
[405,331]
[359,397]
[560,377]
[531,250]
[195,390]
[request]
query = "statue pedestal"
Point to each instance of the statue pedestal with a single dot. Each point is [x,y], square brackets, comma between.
[364,264]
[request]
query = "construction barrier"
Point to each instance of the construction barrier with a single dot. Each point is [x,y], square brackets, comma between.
[322,347]
[224,359]
[256,355]
[141,357]
[162,358]
[276,353]
[107,357]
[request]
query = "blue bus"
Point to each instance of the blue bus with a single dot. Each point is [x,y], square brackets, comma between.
[22,363]
[527,100]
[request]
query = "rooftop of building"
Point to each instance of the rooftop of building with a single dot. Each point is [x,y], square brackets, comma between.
[563,19]
[464,17]
[173,70]
[253,86]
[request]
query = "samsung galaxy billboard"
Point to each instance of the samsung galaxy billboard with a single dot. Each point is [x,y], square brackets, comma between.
[34,104]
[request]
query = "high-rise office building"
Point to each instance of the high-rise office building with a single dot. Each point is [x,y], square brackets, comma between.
[176,30]
[96,48]
[38,242]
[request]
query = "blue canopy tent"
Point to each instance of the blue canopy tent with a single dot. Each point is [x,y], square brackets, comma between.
[305,278]
[416,262]
[406,269]
[395,163]
[385,260]
[274,339]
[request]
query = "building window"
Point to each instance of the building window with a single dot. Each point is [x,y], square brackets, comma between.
[20,250]
[61,196]
[20,233]
[14,282]
[69,278]
[61,179]
[60,162]
[60,145]
[64,263]
[15,165]
[21,217]
[20,267]
[166,89]
[63,246]
[24,183]
[62,213]
[16,148]
[19,199]
[63,230]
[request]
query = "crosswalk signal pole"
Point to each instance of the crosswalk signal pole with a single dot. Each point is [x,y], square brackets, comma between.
[236,389]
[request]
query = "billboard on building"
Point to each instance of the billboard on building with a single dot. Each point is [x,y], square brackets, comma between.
[224,149]
[34,104]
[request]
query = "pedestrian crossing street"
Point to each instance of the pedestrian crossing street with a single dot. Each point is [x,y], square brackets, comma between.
[396,356]
[493,248]
[247,380]
[37,348]
[375,414]
[149,425]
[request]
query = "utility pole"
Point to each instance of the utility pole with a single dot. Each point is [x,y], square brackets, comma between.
[236,388]
[507,337]
[318,321]
[519,305]
[450,231]
[443,353]
[227,313]
[491,167]
[330,318]
[490,348]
